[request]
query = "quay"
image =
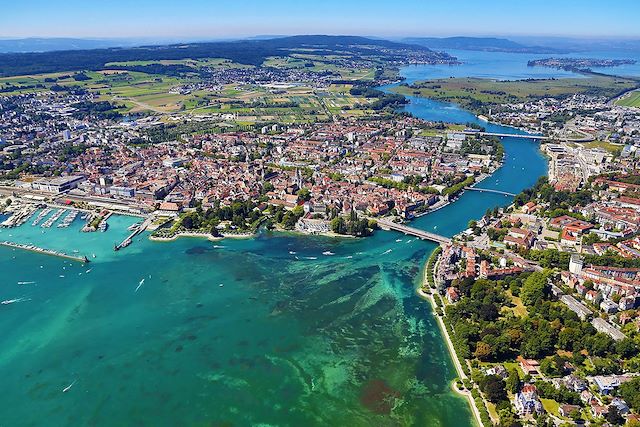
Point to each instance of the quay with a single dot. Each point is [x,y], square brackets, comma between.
[129,239]
[487,190]
[33,248]
[421,234]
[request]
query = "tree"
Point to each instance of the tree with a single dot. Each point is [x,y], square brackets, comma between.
[575,415]
[513,381]
[537,343]
[494,388]
[304,194]
[483,351]
[338,225]
[626,348]
[630,392]
[190,222]
[214,229]
[569,339]
[509,419]
[549,368]
[614,417]
[599,344]
[534,289]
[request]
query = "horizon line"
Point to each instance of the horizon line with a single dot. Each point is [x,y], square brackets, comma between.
[250,36]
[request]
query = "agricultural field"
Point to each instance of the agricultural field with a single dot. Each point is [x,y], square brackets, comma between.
[473,92]
[144,92]
[632,99]
[320,63]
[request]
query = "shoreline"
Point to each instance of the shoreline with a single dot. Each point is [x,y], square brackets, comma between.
[188,235]
[452,352]
[195,235]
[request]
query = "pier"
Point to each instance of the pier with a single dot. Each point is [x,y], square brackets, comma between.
[421,234]
[129,239]
[33,248]
[487,190]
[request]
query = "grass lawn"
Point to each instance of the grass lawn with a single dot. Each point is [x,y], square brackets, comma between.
[551,406]
[491,408]
[514,365]
[630,100]
[518,309]
[609,147]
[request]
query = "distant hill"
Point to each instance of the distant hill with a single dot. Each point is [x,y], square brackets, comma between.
[252,52]
[51,44]
[486,44]
[573,44]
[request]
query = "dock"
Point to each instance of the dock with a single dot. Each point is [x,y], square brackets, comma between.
[129,239]
[33,248]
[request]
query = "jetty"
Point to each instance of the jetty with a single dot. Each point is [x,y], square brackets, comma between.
[34,248]
[488,190]
[421,234]
[129,239]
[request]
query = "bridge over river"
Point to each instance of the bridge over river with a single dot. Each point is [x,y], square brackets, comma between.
[421,234]
[487,190]
[586,138]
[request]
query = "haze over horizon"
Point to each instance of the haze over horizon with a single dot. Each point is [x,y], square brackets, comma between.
[199,19]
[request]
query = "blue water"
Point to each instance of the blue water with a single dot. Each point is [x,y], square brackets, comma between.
[513,66]
[523,162]
[288,340]
[523,165]
[489,65]
[239,332]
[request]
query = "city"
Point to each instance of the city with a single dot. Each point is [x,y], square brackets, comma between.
[339,214]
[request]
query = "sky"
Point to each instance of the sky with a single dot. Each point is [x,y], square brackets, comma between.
[210,19]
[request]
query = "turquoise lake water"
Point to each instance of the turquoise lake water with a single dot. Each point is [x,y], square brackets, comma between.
[263,331]
[322,339]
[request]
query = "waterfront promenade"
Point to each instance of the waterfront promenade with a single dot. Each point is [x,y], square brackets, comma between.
[452,351]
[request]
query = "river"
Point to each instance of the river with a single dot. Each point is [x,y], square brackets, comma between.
[281,329]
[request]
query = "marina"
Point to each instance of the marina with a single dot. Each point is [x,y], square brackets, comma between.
[18,218]
[42,215]
[66,222]
[52,219]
